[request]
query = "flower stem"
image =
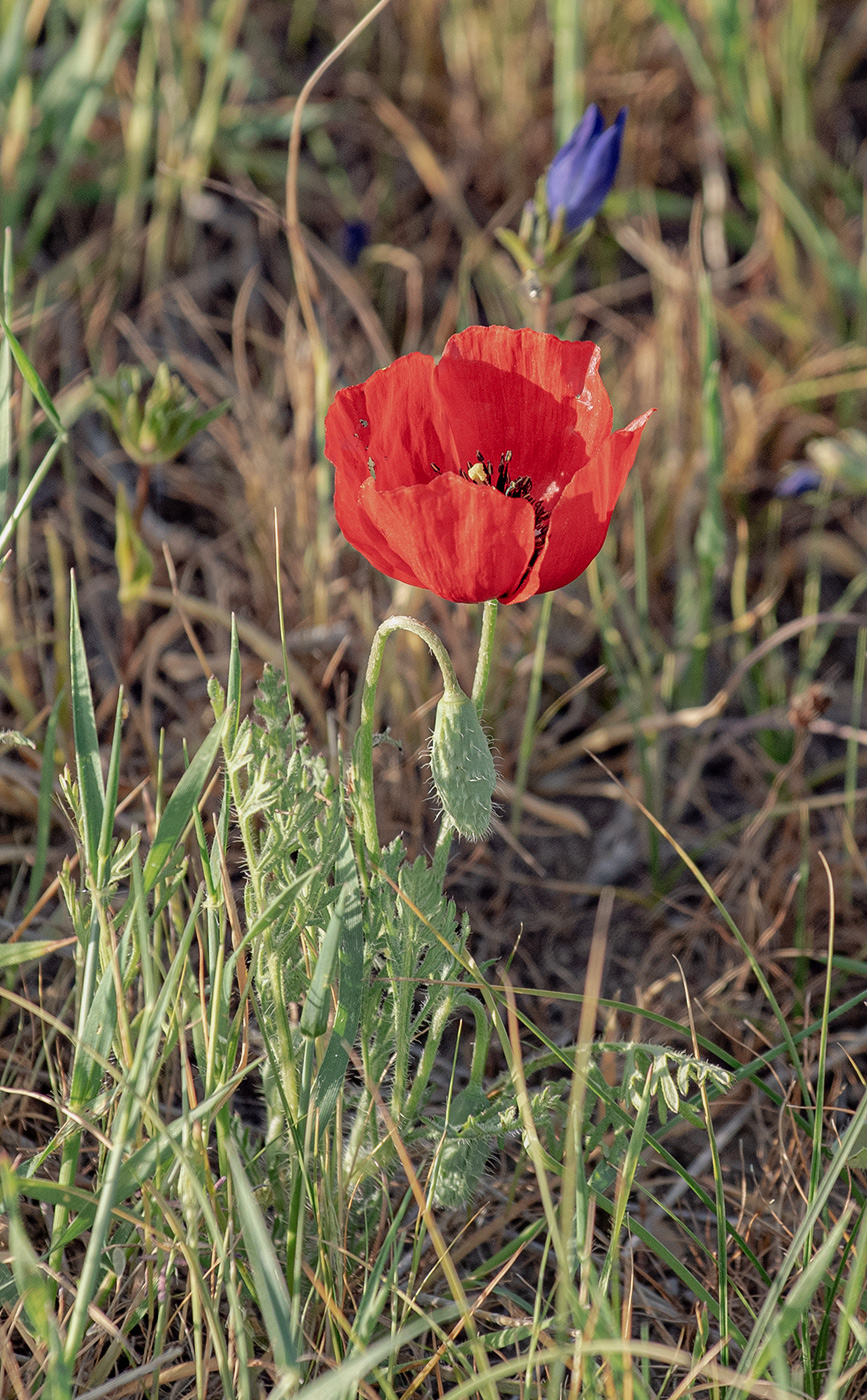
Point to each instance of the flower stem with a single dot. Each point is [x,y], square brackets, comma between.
[486,652]
[363,747]
[528,734]
[480,686]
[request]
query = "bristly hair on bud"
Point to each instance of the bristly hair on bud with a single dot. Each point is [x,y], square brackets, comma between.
[461,765]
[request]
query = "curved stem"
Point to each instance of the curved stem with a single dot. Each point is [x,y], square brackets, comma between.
[363,747]
[480,687]
[304,277]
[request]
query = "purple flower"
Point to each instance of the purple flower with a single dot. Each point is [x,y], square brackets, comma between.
[582,172]
[356,236]
[802,478]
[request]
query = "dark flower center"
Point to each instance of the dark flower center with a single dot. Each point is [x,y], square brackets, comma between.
[483,473]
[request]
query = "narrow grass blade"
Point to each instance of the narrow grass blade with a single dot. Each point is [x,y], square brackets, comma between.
[852,1302]
[792,1311]
[317,1002]
[106,831]
[90,781]
[94,1041]
[46,797]
[13,955]
[373,1297]
[28,372]
[126,1116]
[117,32]
[6,383]
[22,505]
[343,1381]
[674,17]
[626,1177]
[272,1294]
[335,1061]
[179,808]
[759,1348]
[34,1291]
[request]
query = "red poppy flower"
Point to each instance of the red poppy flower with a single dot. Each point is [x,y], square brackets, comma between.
[492,474]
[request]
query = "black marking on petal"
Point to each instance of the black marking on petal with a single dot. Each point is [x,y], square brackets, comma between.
[482,472]
[364,423]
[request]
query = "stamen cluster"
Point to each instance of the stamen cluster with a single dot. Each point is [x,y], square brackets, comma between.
[521,487]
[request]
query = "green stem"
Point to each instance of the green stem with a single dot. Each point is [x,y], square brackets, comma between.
[480,687]
[528,734]
[363,747]
[486,652]
[567,27]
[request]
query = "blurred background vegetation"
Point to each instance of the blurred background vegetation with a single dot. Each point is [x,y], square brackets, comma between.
[142,175]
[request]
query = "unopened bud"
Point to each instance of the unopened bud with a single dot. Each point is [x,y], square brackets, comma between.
[461,765]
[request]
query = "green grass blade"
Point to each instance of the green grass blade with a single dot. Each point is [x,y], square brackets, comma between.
[34,1290]
[13,955]
[120,28]
[335,1061]
[122,1127]
[22,505]
[852,1302]
[272,1294]
[179,808]
[756,1355]
[94,1041]
[6,384]
[626,1177]
[337,1384]
[29,374]
[89,768]
[106,832]
[46,797]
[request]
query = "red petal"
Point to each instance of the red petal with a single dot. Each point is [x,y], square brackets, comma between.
[347,445]
[579,521]
[346,438]
[464,541]
[355,521]
[402,410]
[534,395]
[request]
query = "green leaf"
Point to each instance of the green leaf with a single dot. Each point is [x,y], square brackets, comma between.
[179,808]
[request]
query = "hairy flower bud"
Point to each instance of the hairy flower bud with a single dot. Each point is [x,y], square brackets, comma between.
[461,765]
